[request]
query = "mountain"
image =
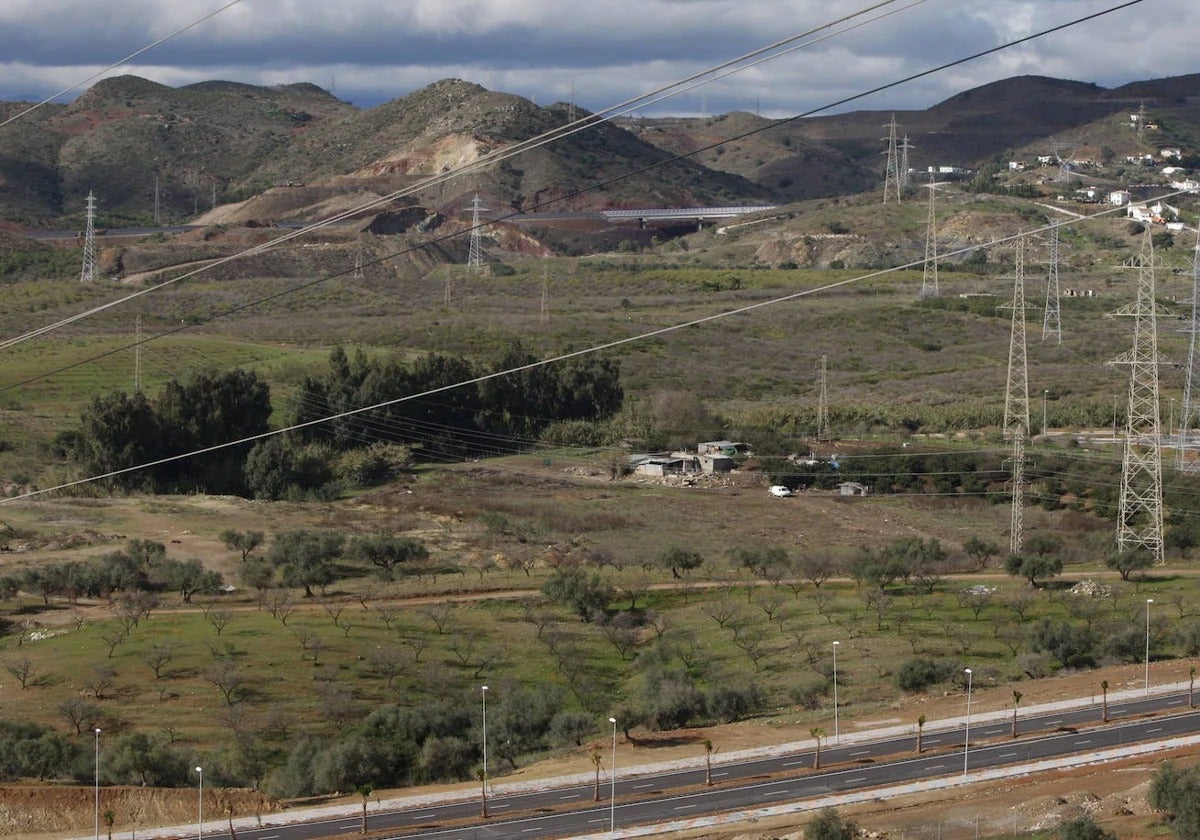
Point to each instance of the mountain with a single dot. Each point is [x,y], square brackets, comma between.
[123,131]
[831,155]
[236,142]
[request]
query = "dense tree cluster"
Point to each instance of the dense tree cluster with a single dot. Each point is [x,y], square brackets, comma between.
[454,421]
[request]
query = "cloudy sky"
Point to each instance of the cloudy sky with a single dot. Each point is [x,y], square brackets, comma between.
[370,51]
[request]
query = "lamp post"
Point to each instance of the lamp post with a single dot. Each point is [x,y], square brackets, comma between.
[483,691]
[967,731]
[1045,395]
[97,783]
[612,799]
[1149,601]
[836,737]
[200,805]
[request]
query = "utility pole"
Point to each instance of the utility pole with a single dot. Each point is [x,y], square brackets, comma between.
[1016,400]
[137,355]
[1140,513]
[891,174]
[475,252]
[929,281]
[358,261]
[1141,119]
[823,400]
[544,315]
[1052,319]
[88,274]
[1189,423]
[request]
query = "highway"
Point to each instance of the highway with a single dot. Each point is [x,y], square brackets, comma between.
[753,784]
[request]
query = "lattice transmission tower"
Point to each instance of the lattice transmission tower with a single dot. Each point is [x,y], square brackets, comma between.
[905,147]
[891,174]
[823,400]
[1016,400]
[929,281]
[475,252]
[1140,512]
[1052,317]
[1186,459]
[88,274]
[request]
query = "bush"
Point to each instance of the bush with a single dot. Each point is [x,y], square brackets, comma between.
[809,694]
[729,703]
[378,464]
[921,672]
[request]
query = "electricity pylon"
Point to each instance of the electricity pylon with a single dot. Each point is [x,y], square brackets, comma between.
[891,175]
[1016,391]
[823,400]
[1052,318]
[358,262]
[88,274]
[1016,400]
[929,281]
[905,146]
[475,252]
[1140,512]
[1189,423]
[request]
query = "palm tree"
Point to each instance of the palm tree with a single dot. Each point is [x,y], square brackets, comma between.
[365,790]
[818,733]
[1104,689]
[597,758]
[708,754]
[920,729]
[1016,705]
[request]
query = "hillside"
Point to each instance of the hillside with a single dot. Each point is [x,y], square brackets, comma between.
[839,154]
[115,137]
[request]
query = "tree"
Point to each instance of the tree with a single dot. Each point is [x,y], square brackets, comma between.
[1129,561]
[817,734]
[137,758]
[1072,645]
[119,431]
[597,761]
[1176,793]
[189,577]
[387,553]
[980,551]
[679,560]
[79,713]
[365,790]
[573,587]
[1083,828]
[1104,701]
[708,754]
[828,824]
[26,672]
[1032,567]
[1016,695]
[280,465]
[242,542]
[306,558]
[920,732]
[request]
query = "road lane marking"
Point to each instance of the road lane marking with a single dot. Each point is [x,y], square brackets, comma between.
[720,774]
[1007,755]
[569,796]
[1084,741]
[855,781]
[861,752]
[685,807]
[794,763]
[642,787]
[1155,729]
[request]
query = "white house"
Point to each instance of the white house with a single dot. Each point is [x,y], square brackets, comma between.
[1119,198]
[1016,165]
[1189,184]
[1170,153]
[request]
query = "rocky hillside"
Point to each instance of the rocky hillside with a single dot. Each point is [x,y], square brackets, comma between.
[118,135]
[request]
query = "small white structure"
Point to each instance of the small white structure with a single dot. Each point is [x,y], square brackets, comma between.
[1045,160]
[853,488]
[1170,153]
[1119,198]
[1016,165]
[1189,184]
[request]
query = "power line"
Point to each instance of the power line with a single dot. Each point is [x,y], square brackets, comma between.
[498,155]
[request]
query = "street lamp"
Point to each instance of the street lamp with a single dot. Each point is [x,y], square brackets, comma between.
[1045,394]
[967,731]
[612,799]
[1149,601]
[200,805]
[483,691]
[97,783]
[836,738]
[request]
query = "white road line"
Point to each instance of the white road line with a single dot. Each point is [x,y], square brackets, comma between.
[1155,729]
[569,796]
[1084,741]
[1052,722]
[643,787]
[498,807]
[1007,755]
[861,752]
[794,763]
[936,766]
[685,807]
[527,830]
[859,779]
[719,774]
[1174,702]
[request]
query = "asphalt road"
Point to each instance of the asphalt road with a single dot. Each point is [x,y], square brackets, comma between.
[743,785]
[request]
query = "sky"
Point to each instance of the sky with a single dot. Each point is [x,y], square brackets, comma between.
[599,52]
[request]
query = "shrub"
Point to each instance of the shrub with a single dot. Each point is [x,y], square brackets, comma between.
[920,672]
[729,703]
